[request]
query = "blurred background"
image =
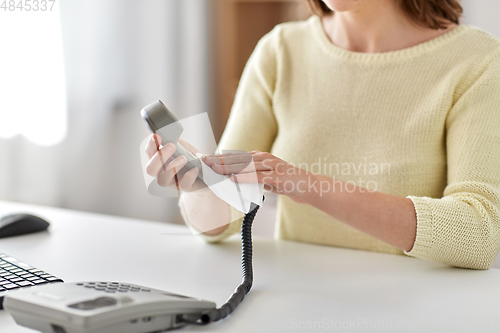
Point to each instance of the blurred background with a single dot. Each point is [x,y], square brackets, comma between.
[74,79]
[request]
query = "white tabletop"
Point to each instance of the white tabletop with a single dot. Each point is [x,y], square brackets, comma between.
[297,287]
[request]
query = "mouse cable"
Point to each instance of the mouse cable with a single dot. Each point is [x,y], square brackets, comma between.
[246,266]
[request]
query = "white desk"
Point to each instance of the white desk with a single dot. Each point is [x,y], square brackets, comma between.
[297,286]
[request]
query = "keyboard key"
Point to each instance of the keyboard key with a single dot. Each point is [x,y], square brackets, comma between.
[40,281]
[16,280]
[26,275]
[54,279]
[23,265]
[10,286]
[25,283]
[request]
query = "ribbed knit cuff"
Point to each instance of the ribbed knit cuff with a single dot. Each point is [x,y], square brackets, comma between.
[423,240]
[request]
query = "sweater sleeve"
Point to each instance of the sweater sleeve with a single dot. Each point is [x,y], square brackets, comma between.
[463,227]
[251,124]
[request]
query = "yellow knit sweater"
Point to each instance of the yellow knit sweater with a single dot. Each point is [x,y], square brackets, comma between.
[423,123]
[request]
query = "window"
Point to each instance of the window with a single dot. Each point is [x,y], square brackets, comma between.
[33,102]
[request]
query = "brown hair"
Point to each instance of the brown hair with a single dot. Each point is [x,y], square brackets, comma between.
[434,14]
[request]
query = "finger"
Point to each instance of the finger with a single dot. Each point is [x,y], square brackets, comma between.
[176,163]
[228,169]
[153,145]
[230,158]
[156,164]
[242,168]
[241,158]
[175,170]
[189,147]
[266,165]
[166,178]
[229,154]
[187,181]
[258,156]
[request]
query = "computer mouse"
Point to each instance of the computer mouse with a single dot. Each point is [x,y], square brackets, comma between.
[20,224]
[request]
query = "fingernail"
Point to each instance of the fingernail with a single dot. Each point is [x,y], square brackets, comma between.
[178,161]
[169,147]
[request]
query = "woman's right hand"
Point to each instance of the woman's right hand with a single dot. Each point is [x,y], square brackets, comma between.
[166,170]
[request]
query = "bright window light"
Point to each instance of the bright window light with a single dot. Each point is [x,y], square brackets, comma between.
[33,96]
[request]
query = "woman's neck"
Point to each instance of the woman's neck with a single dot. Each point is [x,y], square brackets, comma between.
[374,29]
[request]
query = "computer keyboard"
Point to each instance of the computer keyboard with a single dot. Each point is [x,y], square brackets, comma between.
[15,274]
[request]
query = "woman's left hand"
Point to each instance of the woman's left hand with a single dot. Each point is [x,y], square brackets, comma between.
[387,217]
[277,175]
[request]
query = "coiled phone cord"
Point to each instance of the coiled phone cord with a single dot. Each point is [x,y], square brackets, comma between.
[247,272]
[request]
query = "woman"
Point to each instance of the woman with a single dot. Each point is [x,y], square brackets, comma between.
[394,105]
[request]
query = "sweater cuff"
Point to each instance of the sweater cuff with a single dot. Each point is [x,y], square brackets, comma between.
[423,240]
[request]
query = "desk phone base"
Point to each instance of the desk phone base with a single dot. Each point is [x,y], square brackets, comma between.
[98,307]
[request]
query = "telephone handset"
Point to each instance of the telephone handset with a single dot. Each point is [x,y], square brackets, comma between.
[161,120]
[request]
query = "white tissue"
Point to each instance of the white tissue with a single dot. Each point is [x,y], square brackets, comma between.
[227,190]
